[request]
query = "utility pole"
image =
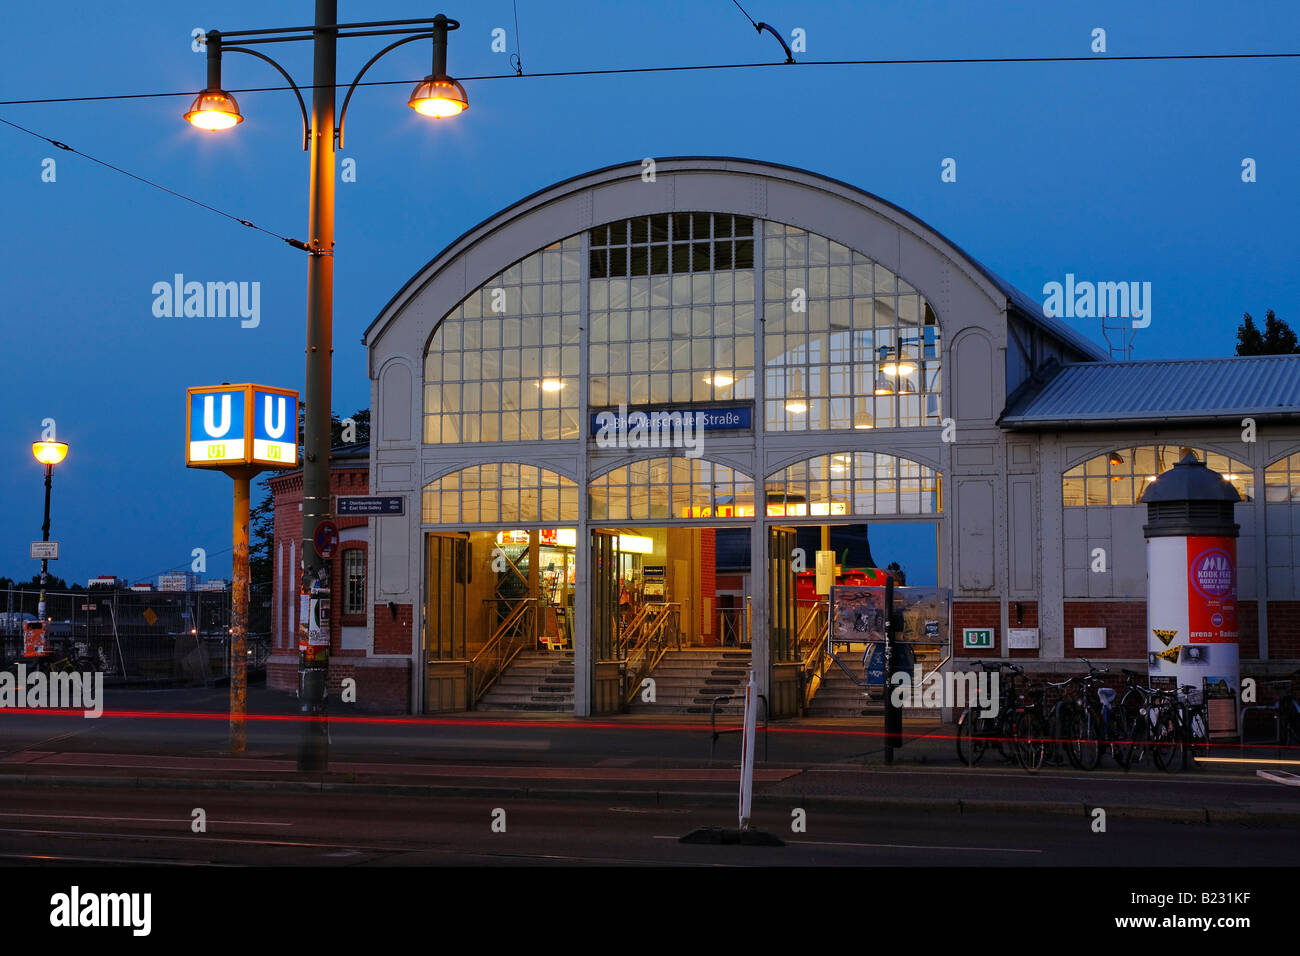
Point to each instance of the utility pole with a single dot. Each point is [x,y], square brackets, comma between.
[313,741]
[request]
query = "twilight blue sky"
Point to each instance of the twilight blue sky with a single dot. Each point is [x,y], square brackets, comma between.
[1117,171]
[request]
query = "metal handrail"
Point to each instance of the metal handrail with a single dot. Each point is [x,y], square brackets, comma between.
[504,645]
[640,661]
[632,627]
[813,667]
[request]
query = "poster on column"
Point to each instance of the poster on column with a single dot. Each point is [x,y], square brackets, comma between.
[1211,590]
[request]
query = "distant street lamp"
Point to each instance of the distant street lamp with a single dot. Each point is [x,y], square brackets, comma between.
[437,96]
[49,454]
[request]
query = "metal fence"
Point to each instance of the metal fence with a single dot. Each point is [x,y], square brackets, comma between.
[135,635]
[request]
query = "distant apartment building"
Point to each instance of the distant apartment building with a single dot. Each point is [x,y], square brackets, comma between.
[106,581]
[216,584]
[142,586]
[177,581]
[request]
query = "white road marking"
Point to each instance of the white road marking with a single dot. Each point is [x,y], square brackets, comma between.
[891,846]
[185,820]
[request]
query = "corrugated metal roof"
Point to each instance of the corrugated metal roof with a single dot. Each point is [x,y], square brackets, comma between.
[1153,391]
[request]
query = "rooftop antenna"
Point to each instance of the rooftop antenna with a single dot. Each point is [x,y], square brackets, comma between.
[1118,333]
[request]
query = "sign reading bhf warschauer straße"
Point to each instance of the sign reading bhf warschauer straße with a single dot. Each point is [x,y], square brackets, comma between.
[234,425]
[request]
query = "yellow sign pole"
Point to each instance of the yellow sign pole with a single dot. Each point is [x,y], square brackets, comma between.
[239,612]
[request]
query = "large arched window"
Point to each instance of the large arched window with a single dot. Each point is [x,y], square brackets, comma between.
[503,365]
[671,301]
[671,488]
[1119,477]
[848,344]
[501,493]
[854,483]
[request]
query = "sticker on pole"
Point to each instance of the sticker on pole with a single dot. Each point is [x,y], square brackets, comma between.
[318,628]
[327,539]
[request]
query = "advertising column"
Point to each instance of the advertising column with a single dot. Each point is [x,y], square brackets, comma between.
[1192,578]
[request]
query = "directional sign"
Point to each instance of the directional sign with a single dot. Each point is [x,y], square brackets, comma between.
[370,505]
[45,550]
[327,539]
[232,425]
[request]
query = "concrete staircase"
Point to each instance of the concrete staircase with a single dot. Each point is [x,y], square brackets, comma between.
[534,680]
[839,696]
[687,681]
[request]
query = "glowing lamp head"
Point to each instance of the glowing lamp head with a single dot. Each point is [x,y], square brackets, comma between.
[898,369]
[552,384]
[438,97]
[214,110]
[796,406]
[50,452]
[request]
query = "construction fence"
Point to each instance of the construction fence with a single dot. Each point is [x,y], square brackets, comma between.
[133,635]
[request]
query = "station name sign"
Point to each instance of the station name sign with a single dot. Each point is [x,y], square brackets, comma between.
[704,418]
[233,425]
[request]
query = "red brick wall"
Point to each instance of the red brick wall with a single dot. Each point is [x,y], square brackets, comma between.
[709,585]
[975,614]
[1125,623]
[393,636]
[382,686]
[1248,630]
[1284,630]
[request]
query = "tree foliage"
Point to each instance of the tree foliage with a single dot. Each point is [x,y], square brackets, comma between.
[1277,338]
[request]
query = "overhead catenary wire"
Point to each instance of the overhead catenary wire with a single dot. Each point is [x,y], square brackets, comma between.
[620,71]
[148,182]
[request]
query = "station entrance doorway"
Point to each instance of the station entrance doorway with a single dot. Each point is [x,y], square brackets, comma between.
[676,596]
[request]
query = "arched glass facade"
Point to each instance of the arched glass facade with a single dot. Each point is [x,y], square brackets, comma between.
[672,317]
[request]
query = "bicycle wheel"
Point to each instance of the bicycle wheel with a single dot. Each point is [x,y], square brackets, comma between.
[1199,733]
[1166,747]
[1139,740]
[1031,740]
[1120,734]
[970,742]
[1085,741]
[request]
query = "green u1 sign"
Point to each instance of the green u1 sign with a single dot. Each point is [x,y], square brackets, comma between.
[976,637]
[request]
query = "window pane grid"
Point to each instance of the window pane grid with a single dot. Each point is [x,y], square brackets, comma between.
[506,493]
[671,488]
[854,483]
[1121,476]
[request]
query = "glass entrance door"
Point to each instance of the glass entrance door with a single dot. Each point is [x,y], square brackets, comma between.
[782,600]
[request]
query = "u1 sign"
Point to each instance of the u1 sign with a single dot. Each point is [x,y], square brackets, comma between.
[235,425]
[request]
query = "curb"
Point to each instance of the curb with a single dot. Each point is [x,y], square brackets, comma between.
[1203,816]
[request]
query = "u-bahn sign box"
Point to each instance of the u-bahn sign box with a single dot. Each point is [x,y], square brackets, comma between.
[234,425]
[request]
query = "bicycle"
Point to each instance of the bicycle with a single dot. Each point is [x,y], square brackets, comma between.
[1015,721]
[1141,707]
[1182,730]
[1098,725]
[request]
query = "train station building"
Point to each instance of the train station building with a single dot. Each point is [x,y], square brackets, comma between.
[626,413]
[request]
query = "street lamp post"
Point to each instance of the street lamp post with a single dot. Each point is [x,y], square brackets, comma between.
[437,96]
[49,454]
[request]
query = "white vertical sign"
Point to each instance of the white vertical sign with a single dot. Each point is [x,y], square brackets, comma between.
[750,722]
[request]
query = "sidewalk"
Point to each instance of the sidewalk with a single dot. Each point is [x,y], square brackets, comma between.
[660,761]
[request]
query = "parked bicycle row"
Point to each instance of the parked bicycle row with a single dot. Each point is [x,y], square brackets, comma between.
[1081,720]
